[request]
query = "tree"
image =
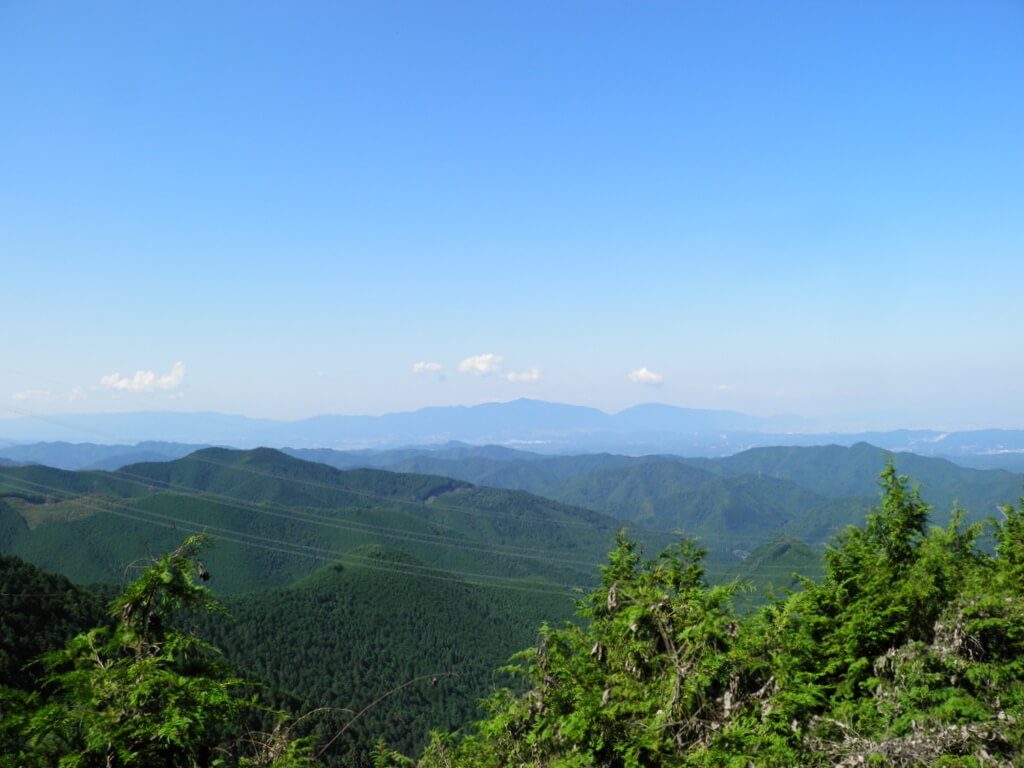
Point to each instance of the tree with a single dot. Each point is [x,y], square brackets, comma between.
[142,692]
[908,652]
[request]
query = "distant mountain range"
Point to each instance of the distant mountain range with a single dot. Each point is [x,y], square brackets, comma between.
[561,510]
[806,491]
[531,424]
[278,518]
[65,455]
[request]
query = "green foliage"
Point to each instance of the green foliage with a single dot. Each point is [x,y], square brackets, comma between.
[88,525]
[1010,543]
[351,633]
[773,568]
[39,611]
[139,692]
[909,651]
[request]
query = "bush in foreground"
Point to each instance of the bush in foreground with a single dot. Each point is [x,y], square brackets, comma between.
[908,652]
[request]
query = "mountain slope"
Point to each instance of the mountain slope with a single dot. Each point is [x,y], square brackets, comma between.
[347,634]
[843,472]
[277,518]
[775,567]
[39,611]
[723,512]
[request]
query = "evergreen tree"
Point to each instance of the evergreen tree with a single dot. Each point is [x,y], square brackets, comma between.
[140,692]
[908,652]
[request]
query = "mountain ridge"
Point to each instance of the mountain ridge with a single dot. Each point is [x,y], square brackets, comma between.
[525,423]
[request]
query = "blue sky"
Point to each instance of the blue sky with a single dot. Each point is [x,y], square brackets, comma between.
[804,207]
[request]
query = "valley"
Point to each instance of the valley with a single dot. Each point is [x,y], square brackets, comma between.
[472,549]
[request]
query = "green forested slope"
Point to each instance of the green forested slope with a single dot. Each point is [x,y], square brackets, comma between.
[488,465]
[908,651]
[39,612]
[277,518]
[347,634]
[773,568]
[741,511]
[837,483]
[538,475]
[841,472]
[267,475]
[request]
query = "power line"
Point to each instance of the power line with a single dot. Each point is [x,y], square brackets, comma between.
[320,553]
[351,526]
[294,515]
[637,530]
[279,545]
[417,537]
[468,510]
[301,515]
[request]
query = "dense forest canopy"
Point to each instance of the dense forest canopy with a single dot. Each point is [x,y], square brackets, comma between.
[908,651]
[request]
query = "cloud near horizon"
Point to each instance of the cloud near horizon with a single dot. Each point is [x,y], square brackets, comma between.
[425,367]
[145,381]
[32,394]
[531,376]
[646,376]
[482,365]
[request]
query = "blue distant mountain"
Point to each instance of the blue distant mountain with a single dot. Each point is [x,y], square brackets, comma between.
[530,422]
[530,425]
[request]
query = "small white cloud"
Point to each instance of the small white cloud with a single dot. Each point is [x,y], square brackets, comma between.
[524,377]
[425,367]
[725,388]
[482,365]
[32,394]
[145,381]
[76,394]
[176,395]
[646,376]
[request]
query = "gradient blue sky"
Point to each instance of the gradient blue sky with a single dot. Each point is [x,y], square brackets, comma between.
[809,207]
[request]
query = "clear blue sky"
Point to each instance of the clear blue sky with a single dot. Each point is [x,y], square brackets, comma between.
[809,207]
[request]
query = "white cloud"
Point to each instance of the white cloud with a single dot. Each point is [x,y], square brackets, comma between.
[145,381]
[425,367]
[31,394]
[524,377]
[725,388]
[76,394]
[646,376]
[482,365]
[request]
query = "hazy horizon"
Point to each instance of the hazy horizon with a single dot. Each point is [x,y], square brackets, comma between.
[848,423]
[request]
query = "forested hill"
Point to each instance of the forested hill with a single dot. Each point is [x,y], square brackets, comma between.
[809,492]
[738,512]
[833,471]
[278,518]
[489,465]
[907,650]
[267,475]
[839,471]
[350,633]
[39,612]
